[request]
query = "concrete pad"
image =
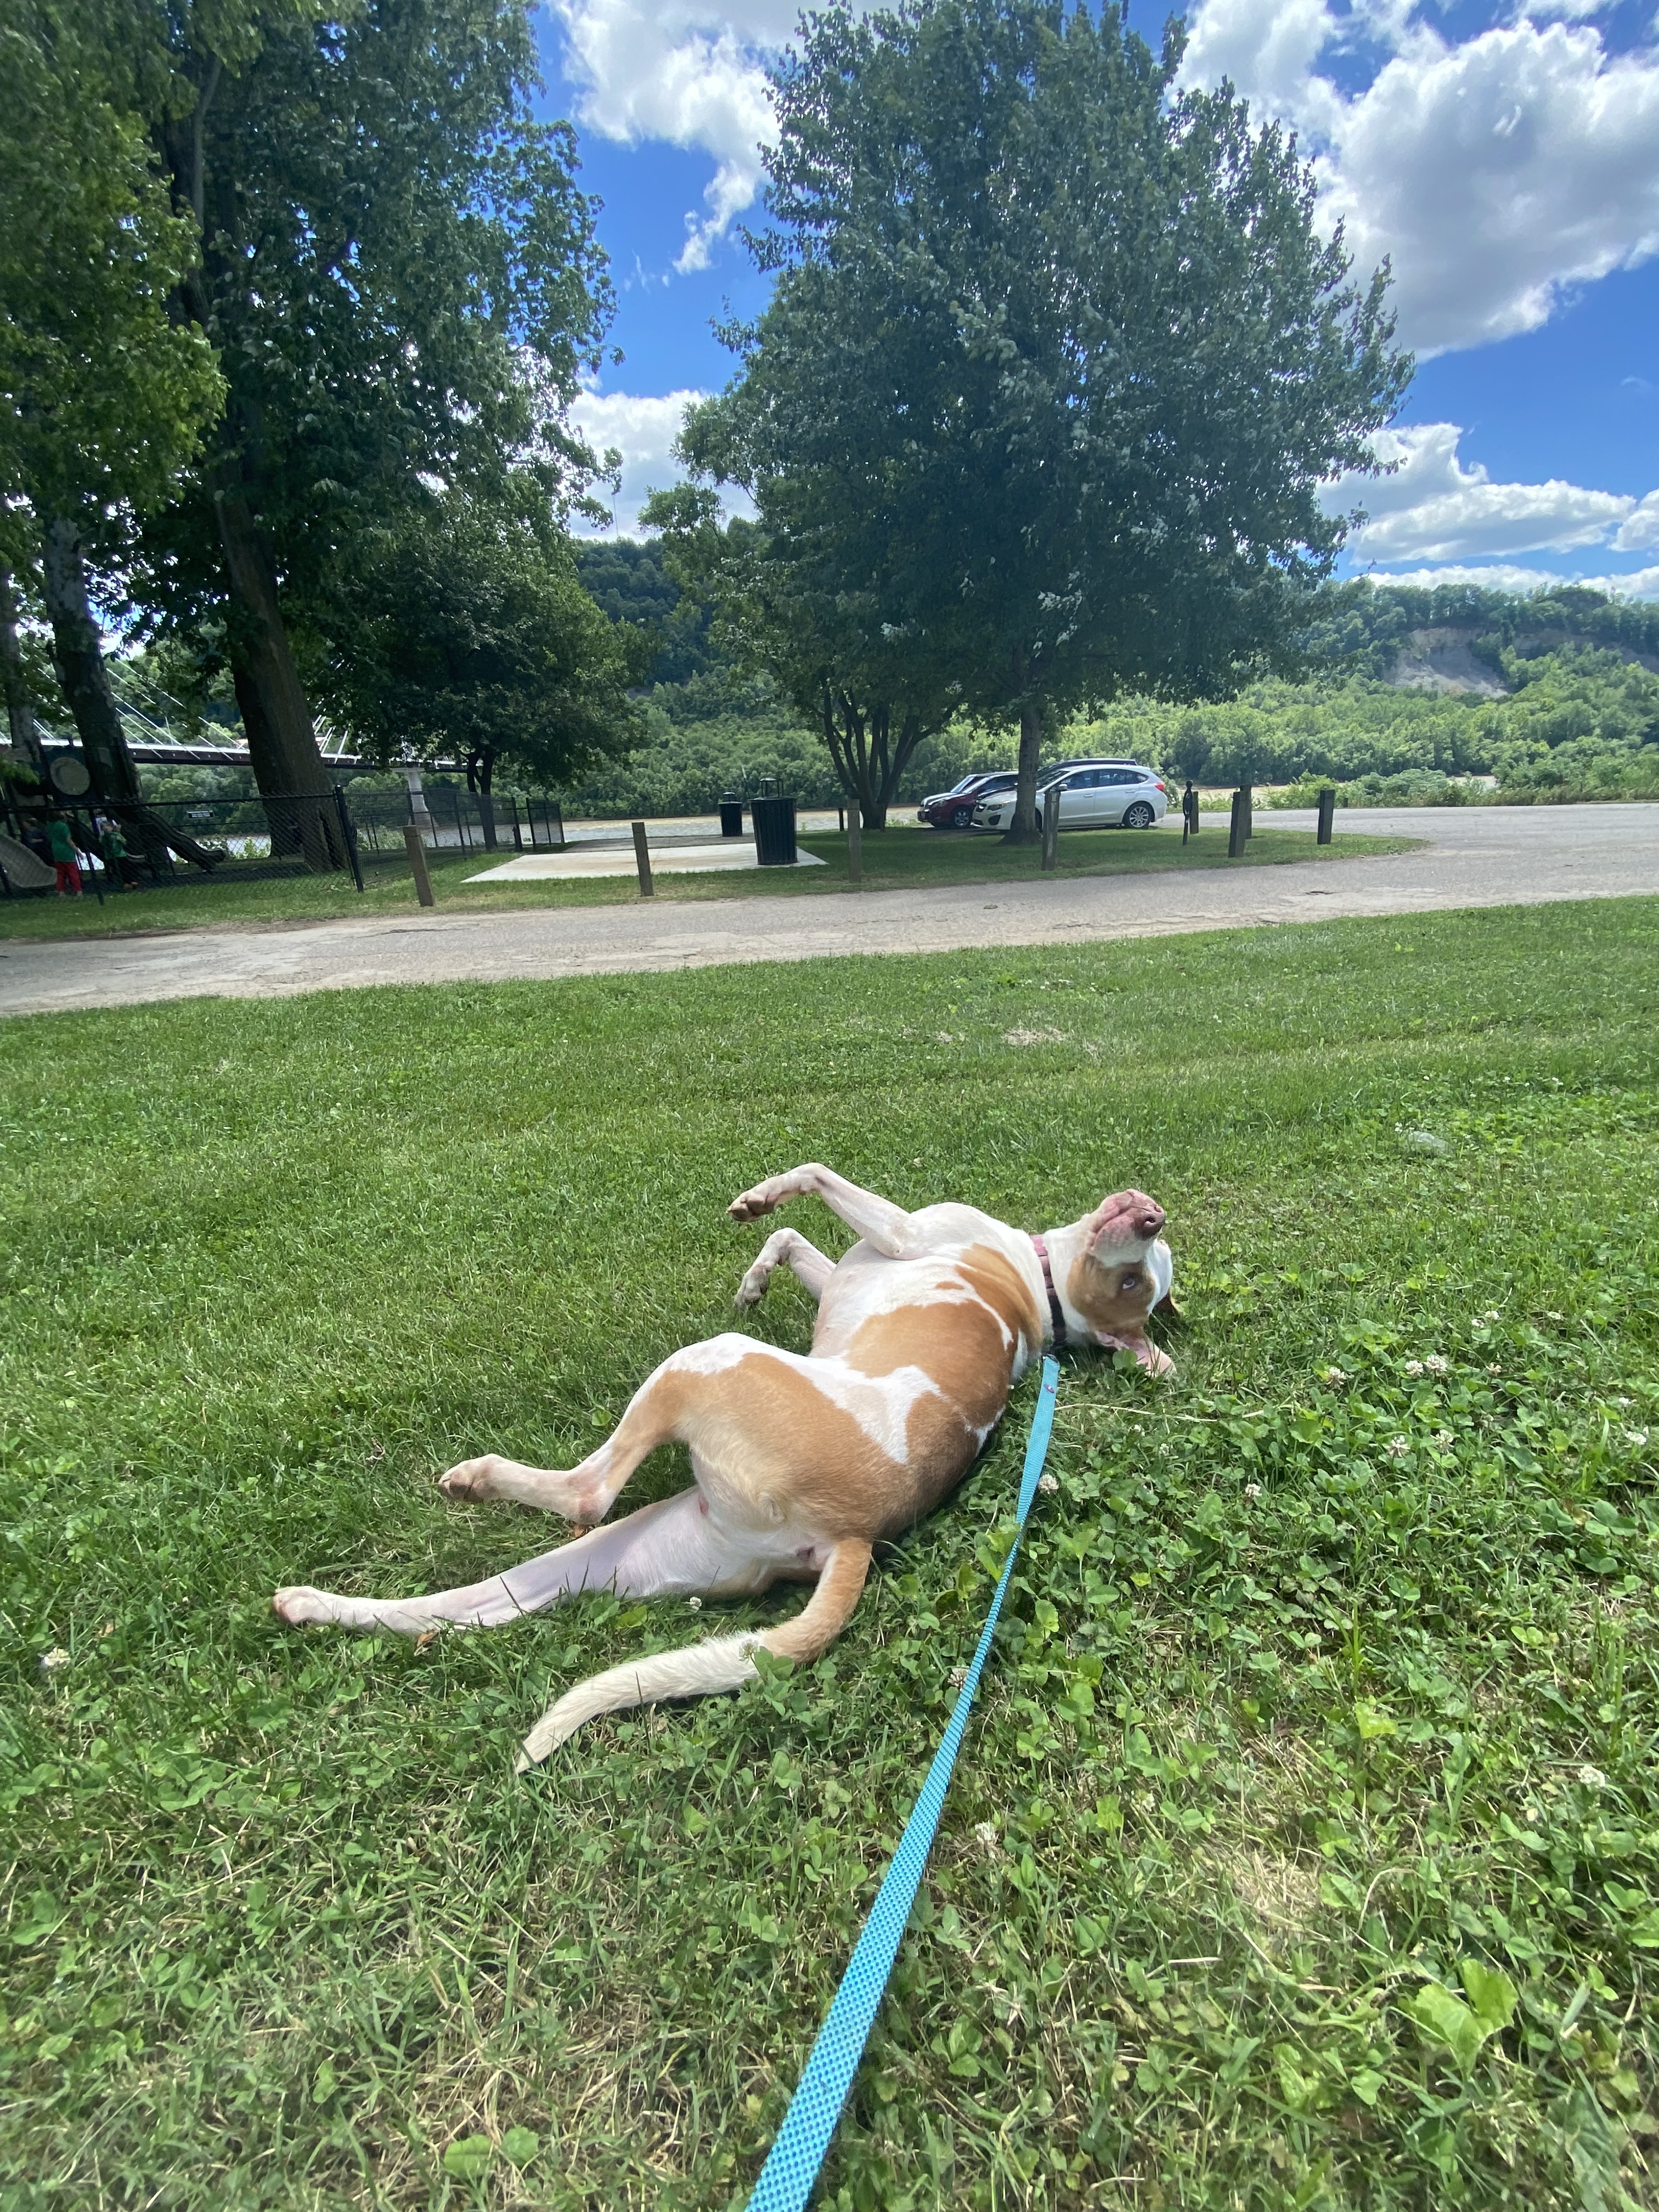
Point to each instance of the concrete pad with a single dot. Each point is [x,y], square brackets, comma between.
[665,860]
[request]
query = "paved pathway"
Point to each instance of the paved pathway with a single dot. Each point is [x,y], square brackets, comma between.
[1479,856]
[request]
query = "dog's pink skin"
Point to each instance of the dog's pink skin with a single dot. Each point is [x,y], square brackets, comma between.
[802,1463]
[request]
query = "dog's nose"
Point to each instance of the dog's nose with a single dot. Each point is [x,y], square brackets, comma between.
[1150,1220]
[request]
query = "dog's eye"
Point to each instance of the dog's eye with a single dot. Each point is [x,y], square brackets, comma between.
[1130,1283]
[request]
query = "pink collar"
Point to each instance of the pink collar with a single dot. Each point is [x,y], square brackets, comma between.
[1057,1312]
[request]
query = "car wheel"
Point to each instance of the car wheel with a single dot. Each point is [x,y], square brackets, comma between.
[963,818]
[1140,815]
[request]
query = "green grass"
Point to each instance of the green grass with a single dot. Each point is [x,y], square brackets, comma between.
[1305,1849]
[905,859]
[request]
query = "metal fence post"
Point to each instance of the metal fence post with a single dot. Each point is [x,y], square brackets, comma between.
[1051,830]
[1236,832]
[348,835]
[1327,817]
[642,861]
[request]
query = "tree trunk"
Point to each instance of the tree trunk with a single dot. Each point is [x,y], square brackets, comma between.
[1024,829]
[868,765]
[20,709]
[282,742]
[78,654]
[480,774]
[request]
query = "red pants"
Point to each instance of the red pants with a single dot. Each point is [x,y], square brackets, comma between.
[68,877]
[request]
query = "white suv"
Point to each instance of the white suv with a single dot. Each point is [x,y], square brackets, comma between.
[1093,795]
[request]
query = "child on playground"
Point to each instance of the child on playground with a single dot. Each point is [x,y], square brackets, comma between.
[64,857]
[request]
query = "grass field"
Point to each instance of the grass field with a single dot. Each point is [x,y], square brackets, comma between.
[1305,1849]
[902,858]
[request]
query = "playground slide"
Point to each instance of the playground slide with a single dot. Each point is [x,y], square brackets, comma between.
[26,871]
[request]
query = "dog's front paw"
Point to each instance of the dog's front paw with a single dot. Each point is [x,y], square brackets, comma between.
[472,1479]
[753,1287]
[301,1604]
[753,1203]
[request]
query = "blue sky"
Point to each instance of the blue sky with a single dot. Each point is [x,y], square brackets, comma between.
[1508,163]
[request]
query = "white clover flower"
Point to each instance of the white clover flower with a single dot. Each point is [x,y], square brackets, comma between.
[1592,1778]
[1047,1483]
[1636,1438]
[1444,1439]
[1398,1446]
[696,1604]
[985,1835]
[1437,1363]
[959,1676]
[1491,1314]
[1624,1402]
[53,1659]
[1494,1369]
[1550,1314]
[1336,1374]
[1413,1367]
[1253,1490]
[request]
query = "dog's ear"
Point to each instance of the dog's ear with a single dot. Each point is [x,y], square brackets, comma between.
[1167,1308]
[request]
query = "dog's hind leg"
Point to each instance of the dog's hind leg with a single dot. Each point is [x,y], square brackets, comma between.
[786,1248]
[670,1549]
[723,1663]
[583,1493]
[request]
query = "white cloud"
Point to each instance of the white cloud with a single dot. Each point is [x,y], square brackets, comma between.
[1640,527]
[1434,509]
[691,74]
[1505,576]
[643,430]
[1496,172]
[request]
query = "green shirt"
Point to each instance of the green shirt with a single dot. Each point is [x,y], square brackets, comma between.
[62,844]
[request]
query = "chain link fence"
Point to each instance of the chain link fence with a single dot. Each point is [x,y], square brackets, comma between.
[126,845]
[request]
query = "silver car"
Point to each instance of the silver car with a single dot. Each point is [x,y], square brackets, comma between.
[1093,795]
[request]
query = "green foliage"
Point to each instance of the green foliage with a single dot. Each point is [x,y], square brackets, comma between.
[1305,1849]
[103,395]
[628,578]
[1053,371]
[402,276]
[468,634]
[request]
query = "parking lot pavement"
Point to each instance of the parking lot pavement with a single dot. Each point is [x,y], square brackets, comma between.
[1474,856]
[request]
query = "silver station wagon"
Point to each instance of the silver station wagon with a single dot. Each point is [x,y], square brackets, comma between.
[1093,795]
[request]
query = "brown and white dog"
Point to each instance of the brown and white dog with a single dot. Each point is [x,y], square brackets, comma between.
[803,1464]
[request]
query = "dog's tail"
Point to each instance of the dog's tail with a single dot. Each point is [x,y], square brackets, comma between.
[723,1663]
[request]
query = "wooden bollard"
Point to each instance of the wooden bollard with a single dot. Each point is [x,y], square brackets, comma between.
[1051,831]
[1327,817]
[855,844]
[642,859]
[416,845]
[1236,832]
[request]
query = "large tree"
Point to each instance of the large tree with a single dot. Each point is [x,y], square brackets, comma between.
[1057,362]
[786,607]
[403,283]
[103,395]
[472,638]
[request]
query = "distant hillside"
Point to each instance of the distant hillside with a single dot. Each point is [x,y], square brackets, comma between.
[1456,640]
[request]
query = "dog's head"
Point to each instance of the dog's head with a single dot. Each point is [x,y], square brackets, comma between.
[1122,1270]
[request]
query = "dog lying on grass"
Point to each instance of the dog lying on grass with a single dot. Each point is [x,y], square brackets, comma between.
[803,1464]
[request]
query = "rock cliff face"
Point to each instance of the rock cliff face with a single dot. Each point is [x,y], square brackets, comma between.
[1444,661]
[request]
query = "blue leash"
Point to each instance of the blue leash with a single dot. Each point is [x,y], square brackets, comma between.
[792,2166]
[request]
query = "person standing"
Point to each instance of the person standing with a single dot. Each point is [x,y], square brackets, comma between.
[65,859]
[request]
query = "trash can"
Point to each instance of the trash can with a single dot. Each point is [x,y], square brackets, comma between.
[774,831]
[731,814]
